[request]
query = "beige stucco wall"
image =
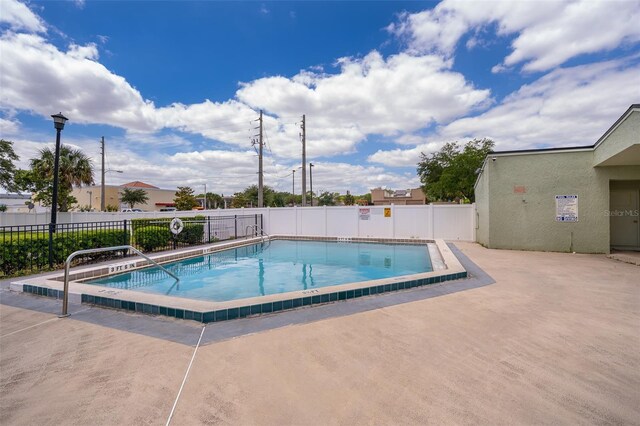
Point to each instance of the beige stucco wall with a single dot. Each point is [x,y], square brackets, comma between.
[113,197]
[83,196]
[627,133]
[527,220]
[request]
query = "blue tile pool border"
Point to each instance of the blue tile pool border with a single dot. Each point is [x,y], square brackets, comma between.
[236,312]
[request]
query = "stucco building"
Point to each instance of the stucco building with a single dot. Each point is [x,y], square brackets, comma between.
[402,197]
[583,199]
[89,196]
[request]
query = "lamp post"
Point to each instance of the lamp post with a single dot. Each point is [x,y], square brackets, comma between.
[58,123]
[205,197]
[103,197]
[311,182]
[90,197]
[293,186]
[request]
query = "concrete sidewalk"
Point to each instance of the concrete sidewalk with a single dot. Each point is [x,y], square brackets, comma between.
[554,340]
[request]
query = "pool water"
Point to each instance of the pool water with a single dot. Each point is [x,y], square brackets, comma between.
[277,267]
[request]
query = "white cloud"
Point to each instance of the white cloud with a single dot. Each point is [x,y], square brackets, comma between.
[372,95]
[8,127]
[223,171]
[90,51]
[567,107]
[36,76]
[403,157]
[367,96]
[546,35]
[20,17]
[395,98]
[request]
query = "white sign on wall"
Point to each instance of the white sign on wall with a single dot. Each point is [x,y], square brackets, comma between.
[364,213]
[566,208]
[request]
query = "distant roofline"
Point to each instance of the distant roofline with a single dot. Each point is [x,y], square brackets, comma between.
[138,184]
[629,110]
[632,108]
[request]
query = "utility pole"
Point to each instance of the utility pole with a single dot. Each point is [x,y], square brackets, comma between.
[102,189]
[260,174]
[304,161]
[205,196]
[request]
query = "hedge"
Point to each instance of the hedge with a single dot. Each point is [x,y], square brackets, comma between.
[149,238]
[32,252]
[154,234]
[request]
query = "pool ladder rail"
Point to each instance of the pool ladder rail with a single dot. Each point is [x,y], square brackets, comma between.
[263,235]
[67,265]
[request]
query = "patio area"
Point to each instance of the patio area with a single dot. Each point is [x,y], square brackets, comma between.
[552,338]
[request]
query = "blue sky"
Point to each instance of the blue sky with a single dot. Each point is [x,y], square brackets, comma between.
[174,86]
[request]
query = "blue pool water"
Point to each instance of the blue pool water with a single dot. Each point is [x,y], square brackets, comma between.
[277,267]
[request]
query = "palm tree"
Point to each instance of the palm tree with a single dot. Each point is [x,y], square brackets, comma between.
[133,197]
[75,169]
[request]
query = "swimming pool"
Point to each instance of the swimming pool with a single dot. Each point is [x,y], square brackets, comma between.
[279,266]
[138,297]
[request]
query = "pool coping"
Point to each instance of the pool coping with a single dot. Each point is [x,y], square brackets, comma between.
[446,267]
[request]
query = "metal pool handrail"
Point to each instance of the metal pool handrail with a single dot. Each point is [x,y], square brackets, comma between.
[67,264]
[256,228]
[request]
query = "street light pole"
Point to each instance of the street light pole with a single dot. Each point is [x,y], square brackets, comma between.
[90,196]
[293,186]
[311,182]
[58,123]
[205,196]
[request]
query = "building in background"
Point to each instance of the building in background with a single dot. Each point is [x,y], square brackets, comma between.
[16,203]
[89,196]
[583,199]
[402,197]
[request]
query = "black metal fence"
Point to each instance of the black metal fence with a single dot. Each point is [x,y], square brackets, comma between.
[28,249]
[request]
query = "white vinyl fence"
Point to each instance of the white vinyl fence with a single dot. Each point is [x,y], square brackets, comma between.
[449,222]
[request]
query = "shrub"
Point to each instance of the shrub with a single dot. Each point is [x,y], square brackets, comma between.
[30,252]
[144,230]
[152,237]
[192,233]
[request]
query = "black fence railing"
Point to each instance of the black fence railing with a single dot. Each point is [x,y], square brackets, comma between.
[28,249]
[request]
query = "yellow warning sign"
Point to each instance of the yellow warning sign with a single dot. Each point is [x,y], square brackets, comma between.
[387,212]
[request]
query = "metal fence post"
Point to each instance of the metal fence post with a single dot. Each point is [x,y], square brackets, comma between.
[261,225]
[255,222]
[208,229]
[51,226]
[235,220]
[124,234]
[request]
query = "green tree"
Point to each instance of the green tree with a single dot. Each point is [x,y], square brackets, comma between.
[450,173]
[75,169]
[7,168]
[364,200]
[185,198]
[327,198]
[132,197]
[214,200]
[349,200]
[239,200]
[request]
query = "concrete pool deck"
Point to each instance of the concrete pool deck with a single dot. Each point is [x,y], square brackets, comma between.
[553,340]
